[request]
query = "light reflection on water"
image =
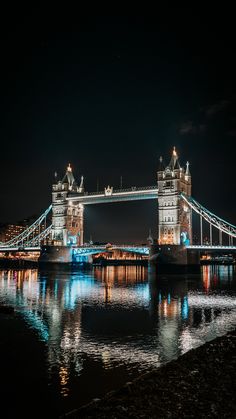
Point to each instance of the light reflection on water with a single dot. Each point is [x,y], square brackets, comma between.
[100,327]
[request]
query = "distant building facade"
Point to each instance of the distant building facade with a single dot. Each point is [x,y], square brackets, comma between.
[9,231]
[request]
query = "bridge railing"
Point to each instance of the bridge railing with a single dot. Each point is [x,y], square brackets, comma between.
[212,219]
[26,235]
[131,189]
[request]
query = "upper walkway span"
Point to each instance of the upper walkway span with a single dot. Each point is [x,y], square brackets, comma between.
[110,195]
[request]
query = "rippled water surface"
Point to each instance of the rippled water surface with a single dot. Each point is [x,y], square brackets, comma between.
[76,335]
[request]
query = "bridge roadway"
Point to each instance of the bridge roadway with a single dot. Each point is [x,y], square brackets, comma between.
[90,250]
[211,247]
[85,250]
[110,195]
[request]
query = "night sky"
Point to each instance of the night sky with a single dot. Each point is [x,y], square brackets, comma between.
[110,94]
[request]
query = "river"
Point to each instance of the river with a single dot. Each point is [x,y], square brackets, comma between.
[74,335]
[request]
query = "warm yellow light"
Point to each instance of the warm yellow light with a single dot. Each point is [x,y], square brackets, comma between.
[69,169]
[174,152]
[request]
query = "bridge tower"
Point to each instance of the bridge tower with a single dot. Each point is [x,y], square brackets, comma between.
[171,254]
[174,216]
[67,218]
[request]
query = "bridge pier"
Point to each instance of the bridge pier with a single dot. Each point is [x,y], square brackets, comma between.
[56,254]
[63,255]
[174,258]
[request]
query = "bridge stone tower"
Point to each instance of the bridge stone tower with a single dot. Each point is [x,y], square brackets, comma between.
[174,216]
[171,254]
[67,218]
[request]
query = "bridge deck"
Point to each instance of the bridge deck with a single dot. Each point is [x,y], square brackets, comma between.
[125,247]
[209,247]
[120,195]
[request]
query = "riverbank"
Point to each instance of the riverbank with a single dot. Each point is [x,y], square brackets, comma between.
[200,384]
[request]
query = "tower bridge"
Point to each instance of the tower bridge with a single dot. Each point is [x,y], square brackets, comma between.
[63,239]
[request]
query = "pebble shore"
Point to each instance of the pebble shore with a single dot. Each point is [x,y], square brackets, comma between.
[199,384]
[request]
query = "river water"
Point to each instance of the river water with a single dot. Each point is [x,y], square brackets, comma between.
[76,335]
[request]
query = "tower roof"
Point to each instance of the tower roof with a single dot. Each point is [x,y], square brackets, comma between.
[174,162]
[69,177]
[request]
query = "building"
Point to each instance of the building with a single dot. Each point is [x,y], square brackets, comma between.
[67,220]
[175,216]
[9,231]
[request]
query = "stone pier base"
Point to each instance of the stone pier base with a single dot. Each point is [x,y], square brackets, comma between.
[63,255]
[56,254]
[174,258]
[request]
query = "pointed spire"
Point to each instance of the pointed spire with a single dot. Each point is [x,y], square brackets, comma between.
[81,186]
[161,166]
[174,163]
[187,172]
[69,177]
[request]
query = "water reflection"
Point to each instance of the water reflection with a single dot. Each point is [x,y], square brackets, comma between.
[117,317]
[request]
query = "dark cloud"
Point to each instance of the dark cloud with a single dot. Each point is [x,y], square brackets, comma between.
[190,128]
[187,128]
[216,107]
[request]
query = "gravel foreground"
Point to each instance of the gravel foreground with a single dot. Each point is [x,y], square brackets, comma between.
[199,384]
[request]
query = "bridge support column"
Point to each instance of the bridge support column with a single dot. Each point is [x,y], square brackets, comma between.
[174,258]
[63,255]
[56,254]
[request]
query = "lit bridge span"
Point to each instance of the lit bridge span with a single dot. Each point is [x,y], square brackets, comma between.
[117,195]
[176,206]
[28,240]
[92,250]
[142,250]
[84,250]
